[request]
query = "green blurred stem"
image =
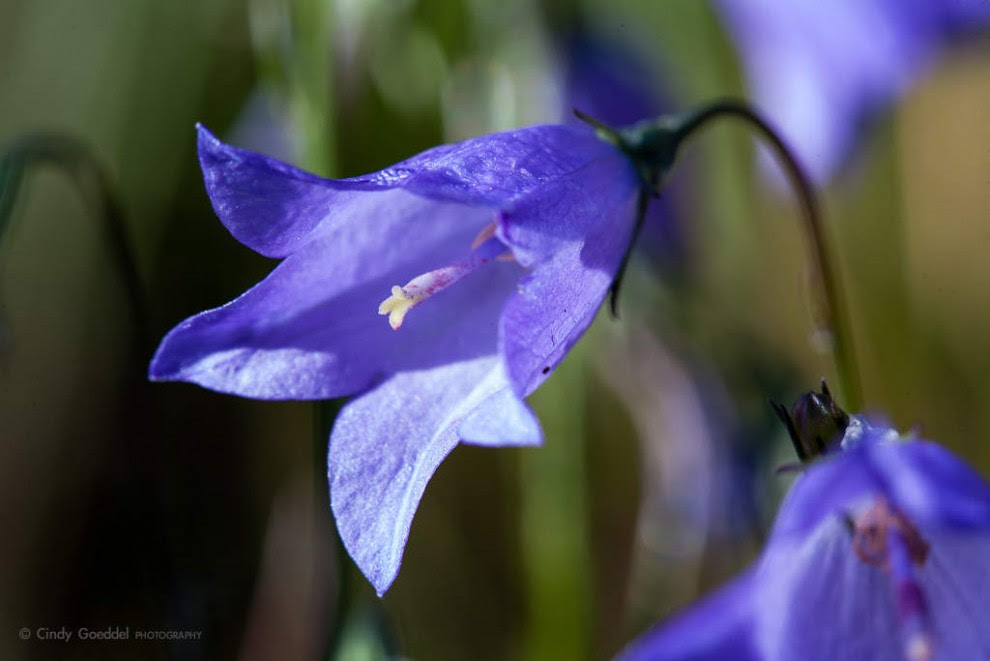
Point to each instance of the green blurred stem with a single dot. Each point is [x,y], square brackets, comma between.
[74,159]
[310,78]
[831,309]
[292,47]
[555,536]
[324,414]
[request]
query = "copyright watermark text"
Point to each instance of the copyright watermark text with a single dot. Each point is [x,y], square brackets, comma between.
[106,634]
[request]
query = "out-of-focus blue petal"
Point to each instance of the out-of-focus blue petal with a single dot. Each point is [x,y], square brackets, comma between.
[718,628]
[812,596]
[386,444]
[923,480]
[577,233]
[956,583]
[817,600]
[820,69]
[607,82]
[828,487]
[931,486]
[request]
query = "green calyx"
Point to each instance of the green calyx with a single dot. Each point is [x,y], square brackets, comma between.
[651,145]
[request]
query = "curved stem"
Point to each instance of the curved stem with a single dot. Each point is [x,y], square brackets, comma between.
[832,310]
[78,162]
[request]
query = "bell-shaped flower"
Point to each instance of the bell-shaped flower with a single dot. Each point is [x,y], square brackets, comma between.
[880,551]
[489,259]
[822,69]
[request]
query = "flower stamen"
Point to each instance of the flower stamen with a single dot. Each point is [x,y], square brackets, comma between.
[420,288]
[886,539]
[871,531]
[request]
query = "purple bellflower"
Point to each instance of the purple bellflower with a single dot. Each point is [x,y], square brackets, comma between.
[880,551]
[489,259]
[821,69]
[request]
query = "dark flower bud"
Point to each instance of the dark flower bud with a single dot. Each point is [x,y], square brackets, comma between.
[815,423]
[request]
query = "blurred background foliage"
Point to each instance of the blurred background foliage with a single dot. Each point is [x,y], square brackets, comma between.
[167,506]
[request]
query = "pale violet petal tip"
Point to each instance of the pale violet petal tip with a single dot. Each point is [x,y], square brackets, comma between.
[385,447]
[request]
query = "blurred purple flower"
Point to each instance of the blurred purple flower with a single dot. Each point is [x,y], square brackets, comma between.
[821,69]
[879,552]
[507,243]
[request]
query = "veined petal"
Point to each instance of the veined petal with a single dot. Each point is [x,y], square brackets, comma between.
[817,600]
[275,209]
[829,486]
[497,169]
[864,564]
[311,329]
[385,446]
[589,204]
[926,482]
[811,571]
[718,628]
[931,486]
[956,582]
[269,206]
[577,232]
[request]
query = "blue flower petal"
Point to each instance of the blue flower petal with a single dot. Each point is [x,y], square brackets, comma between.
[576,233]
[956,583]
[817,600]
[457,368]
[386,444]
[923,480]
[311,329]
[718,628]
[275,209]
[269,206]
[812,596]
[829,486]
[932,486]
[820,69]
[502,419]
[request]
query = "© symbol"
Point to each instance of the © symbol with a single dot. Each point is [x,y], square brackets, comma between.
[24,633]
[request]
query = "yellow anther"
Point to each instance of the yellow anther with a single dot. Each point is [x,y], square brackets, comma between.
[427,284]
[396,306]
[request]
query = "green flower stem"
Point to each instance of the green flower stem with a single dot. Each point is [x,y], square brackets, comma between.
[831,309]
[554,530]
[73,157]
[324,413]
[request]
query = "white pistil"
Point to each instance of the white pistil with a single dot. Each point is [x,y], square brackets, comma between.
[420,288]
